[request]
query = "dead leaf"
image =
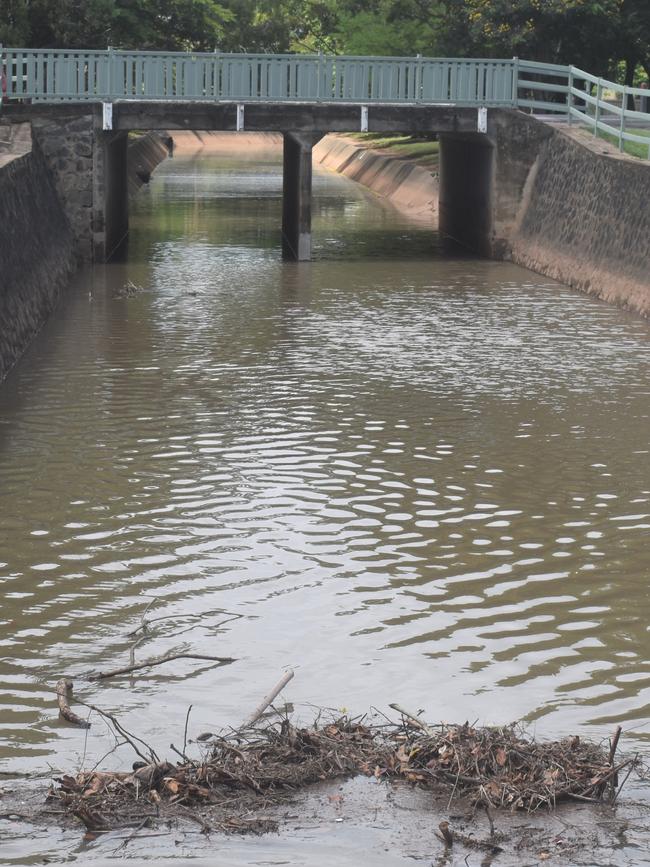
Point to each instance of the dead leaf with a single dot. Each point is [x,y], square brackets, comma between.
[501,757]
[171,785]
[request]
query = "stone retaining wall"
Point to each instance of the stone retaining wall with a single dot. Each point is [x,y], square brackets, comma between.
[36,252]
[68,144]
[584,219]
[49,214]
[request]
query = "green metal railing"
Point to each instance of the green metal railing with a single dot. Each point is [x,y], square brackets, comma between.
[146,75]
[568,93]
[577,96]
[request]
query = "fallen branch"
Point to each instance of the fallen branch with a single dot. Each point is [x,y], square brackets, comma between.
[64,697]
[104,675]
[128,737]
[144,625]
[268,699]
[417,722]
[612,752]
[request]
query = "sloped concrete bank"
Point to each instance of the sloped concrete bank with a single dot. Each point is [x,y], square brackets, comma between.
[145,154]
[584,219]
[36,248]
[407,185]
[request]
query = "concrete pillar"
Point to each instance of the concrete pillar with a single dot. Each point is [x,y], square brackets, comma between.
[296,195]
[110,194]
[465,191]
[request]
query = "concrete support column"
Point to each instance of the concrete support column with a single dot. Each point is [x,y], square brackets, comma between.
[465,191]
[296,195]
[110,194]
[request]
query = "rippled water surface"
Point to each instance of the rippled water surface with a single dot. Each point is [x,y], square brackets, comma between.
[413,478]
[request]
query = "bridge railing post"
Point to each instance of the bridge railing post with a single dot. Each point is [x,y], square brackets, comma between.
[621,128]
[599,96]
[109,73]
[417,91]
[569,95]
[515,82]
[319,76]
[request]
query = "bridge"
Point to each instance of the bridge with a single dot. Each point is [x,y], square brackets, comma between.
[82,104]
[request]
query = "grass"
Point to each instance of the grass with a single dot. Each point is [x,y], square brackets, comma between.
[633,148]
[410,147]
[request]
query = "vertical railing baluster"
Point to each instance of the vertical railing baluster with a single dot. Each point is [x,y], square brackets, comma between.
[109,73]
[621,131]
[599,94]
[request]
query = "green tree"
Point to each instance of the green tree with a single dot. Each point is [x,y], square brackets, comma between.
[15,28]
[144,24]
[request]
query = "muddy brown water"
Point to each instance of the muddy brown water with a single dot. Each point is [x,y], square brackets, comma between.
[412,476]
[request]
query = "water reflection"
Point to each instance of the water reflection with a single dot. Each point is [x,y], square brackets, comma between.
[415,478]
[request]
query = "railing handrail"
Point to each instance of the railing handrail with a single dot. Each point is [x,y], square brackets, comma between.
[265,55]
[77,74]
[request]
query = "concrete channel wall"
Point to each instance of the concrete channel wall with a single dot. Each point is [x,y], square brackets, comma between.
[584,219]
[36,250]
[145,153]
[46,195]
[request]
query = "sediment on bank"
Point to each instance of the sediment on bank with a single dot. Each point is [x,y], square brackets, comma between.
[221,142]
[584,220]
[36,247]
[408,186]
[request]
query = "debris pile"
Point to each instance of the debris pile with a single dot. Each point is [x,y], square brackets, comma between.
[244,772]
[499,767]
[248,770]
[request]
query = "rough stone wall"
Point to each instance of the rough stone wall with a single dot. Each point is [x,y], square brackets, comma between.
[566,206]
[36,252]
[90,175]
[68,143]
[584,218]
[53,207]
[405,184]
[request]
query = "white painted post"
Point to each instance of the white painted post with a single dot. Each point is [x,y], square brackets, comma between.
[109,74]
[482,120]
[319,75]
[599,96]
[240,117]
[364,118]
[621,129]
[107,115]
[515,82]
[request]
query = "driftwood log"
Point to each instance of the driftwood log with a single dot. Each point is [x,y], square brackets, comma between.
[64,697]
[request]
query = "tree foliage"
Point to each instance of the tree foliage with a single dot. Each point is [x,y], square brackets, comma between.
[601,36]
